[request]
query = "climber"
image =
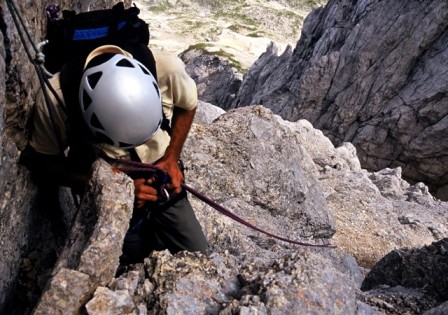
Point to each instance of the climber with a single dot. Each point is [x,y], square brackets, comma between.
[113,109]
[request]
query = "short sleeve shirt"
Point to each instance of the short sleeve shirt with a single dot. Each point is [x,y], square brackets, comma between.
[176,87]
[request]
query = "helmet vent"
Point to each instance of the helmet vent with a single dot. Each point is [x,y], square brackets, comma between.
[145,71]
[86,100]
[125,145]
[102,138]
[156,88]
[94,122]
[94,78]
[125,63]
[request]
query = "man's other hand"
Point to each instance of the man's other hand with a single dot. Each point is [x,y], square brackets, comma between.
[176,177]
[144,191]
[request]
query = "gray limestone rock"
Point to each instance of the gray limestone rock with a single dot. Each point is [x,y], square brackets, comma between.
[270,178]
[285,177]
[423,268]
[439,310]
[398,300]
[95,241]
[217,79]
[206,113]
[116,302]
[370,74]
[67,292]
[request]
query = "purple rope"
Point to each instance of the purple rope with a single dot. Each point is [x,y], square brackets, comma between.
[142,167]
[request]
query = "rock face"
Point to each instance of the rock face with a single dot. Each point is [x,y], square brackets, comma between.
[414,268]
[217,79]
[369,73]
[374,212]
[249,272]
[285,177]
[21,224]
[423,270]
[90,257]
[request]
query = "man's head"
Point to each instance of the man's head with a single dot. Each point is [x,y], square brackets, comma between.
[119,98]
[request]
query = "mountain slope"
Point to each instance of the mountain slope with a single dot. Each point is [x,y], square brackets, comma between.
[240,30]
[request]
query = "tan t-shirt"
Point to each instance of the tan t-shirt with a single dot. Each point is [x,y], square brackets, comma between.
[177,89]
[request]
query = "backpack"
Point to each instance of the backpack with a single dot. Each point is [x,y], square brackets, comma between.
[76,35]
[72,37]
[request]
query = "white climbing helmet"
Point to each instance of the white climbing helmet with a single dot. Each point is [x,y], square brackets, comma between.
[120,101]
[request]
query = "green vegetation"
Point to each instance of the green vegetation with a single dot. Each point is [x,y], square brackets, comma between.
[234,63]
[296,20]
[314,3]
[305,4]
[256,34]
[199,46]
[194,25]
[240,28]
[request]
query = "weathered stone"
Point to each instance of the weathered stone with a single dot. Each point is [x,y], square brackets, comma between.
[216,79]
[423,268]
[398,300]
[261,182]
[94,245]
[95,241]
[370,74]
[368,209]
[67,293]
[190,283]
[291,284]
[206,113]
[110,302]
[439,310]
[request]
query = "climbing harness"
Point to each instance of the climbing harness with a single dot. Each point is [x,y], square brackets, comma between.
[127,166]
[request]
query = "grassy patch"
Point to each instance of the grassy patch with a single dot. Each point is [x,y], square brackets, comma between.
[240,28]
[194,25]
[257,34]
[199,46]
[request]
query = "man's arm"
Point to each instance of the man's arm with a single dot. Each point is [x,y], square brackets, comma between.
[179,94]
[180,127]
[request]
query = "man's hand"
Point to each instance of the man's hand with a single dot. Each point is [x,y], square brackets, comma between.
[181,124]
[176,177]
[144,191]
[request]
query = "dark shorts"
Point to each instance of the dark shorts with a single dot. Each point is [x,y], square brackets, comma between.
[172,226]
